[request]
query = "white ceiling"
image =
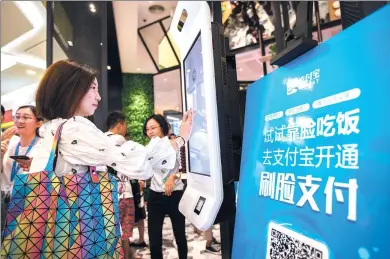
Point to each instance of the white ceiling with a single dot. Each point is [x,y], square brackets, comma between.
[146,17]
[129,16]
[23,49]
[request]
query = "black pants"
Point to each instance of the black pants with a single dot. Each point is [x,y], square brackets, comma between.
[158,206]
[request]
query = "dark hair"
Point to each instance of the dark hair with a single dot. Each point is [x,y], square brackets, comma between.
[114,118]
[2,110]
[33,109]
[160,120]
[62,88]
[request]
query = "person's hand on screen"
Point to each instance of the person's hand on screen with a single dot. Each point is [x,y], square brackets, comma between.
[186,125]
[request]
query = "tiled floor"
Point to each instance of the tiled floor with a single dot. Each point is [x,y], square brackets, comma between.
[196,243]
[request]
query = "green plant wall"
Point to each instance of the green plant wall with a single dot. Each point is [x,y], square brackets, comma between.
[137,103]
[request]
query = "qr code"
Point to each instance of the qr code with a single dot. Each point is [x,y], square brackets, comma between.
[284,246]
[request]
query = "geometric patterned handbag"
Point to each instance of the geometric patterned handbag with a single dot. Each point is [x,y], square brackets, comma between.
[71,217]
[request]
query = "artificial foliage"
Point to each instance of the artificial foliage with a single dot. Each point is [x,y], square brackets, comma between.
[137,103]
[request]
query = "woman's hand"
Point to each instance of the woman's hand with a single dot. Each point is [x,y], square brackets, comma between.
[186,125]
[8,133]
[169,184]
[24,164]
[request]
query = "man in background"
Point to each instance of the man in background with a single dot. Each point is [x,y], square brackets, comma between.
[117,128]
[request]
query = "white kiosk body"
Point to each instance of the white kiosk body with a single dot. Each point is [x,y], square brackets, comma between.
[191,30]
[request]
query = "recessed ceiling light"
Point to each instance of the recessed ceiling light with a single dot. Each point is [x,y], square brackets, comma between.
[30,72]
[240,69]
[165,79]
[177,108]
[108,67]
[70,43]
[101,44]
[92,8]
[138,69]
[156,9]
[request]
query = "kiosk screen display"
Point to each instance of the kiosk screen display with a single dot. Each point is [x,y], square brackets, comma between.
[199,161]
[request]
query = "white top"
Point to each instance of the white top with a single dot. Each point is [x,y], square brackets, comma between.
[125,190]
[82,144]
[119,139]
[6,183]
[160,176]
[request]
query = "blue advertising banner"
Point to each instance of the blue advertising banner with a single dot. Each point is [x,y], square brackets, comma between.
[315,170]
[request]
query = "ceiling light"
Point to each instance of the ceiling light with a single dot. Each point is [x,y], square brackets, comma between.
[101,44]
[165,79]
[240,69]
[30,72]
[138,69]
[177,108]
[156,9]
[92,8]
[108,67]
[70,43]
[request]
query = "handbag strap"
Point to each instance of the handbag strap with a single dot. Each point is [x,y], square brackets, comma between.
[50,166]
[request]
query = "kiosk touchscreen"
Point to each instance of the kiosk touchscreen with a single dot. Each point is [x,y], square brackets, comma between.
[191,30]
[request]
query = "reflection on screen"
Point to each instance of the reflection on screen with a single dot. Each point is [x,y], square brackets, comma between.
[199,161]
